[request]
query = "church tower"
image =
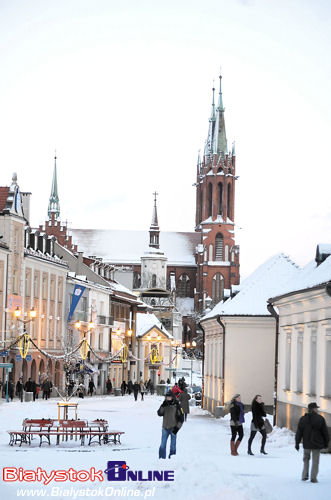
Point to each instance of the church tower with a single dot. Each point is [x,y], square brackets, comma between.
[217,255]
[54,202]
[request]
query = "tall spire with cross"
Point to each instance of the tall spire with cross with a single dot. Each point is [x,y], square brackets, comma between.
[154,230]
[54,203]
[219,138]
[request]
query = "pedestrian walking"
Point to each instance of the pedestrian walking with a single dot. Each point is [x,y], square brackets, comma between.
[11,390]
[46,387]
[258,412]
[108,385]
[123,387]
[130,387]
[81,391]
[184,398]
[142,389]
[28,387]
[91,387]
[151,388]
[312,430]
[236,423]
[136,389]
[19,388]
[173,417]
[34,389]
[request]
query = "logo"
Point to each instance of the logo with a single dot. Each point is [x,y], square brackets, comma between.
[119,471]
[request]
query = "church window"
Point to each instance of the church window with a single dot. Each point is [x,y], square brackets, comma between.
[183,286]
[220,197]
[153,280]
[226,255]
[210,200]
[218,288]
[205,254]
[219,247]
[211,252]
[229,201]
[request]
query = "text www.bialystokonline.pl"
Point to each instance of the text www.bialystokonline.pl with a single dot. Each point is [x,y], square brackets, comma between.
[110,491]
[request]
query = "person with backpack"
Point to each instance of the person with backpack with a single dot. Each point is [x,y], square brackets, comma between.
[173,418]
[184,398]
[313,431]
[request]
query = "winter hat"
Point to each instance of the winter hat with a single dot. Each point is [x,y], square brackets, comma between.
[312,406]
[170,394]
[235,397]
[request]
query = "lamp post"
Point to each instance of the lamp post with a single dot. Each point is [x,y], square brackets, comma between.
[176,344]
[78,325]
[17,314]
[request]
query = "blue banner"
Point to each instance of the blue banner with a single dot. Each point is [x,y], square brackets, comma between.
[78,292]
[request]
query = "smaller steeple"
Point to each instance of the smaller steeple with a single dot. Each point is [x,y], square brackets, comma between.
[154,230]
[219,138]
[54,204]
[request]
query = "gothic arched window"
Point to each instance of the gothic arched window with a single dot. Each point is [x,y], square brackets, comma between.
[229,200]
[219,247]
[210,200]
[218,288]
[211,252]
[183,286]
[220,197]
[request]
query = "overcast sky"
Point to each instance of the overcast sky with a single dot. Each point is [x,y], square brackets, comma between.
[122,91]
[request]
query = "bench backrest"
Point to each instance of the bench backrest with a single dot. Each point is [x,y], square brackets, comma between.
[39,422]
[72,424]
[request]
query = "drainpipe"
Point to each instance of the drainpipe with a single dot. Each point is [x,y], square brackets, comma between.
[273,313]
[218,319]
[203,366]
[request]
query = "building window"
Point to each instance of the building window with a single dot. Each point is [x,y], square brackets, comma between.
[219,247]
[211,252]
[299,362]
[226,254]
[218,288]
[153,280]
[210,200]
[136,280]
[313,353]
[288,363]
[183,286]
[229,201]
[327,390]
[220,197]
[200,206]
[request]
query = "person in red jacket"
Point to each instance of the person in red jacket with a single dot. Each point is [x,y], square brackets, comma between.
[176,390]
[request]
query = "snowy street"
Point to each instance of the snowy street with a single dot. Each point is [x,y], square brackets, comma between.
[203,467]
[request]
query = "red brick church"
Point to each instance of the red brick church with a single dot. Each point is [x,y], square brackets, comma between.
[195,269]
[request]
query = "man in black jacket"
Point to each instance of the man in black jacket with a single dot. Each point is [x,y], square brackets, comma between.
[173,418]
[313,431]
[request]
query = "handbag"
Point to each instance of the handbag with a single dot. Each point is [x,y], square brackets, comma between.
[268,426]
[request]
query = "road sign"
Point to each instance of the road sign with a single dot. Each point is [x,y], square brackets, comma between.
[28,357]
[18,357]
[3,353]
[6,365]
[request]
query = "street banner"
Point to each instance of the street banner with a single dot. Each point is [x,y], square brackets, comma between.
[78,292]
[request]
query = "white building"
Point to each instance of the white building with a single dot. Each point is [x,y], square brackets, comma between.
[304,354]
[240,336]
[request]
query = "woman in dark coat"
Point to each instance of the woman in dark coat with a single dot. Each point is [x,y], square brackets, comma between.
[184,402]
[136,389]
[236,423]
[258,412]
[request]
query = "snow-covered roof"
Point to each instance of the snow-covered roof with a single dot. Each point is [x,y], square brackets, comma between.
[145,322]
[126,247]
[266,281]
[310,276]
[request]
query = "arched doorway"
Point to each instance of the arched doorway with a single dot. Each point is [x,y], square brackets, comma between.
[57,377]
[12,373]
[33,370]
[25,370]
[41,371]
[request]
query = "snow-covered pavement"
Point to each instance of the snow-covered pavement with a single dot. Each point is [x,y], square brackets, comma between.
[203,467]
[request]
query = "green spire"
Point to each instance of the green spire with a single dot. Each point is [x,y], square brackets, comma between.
[219,139]
[54,204]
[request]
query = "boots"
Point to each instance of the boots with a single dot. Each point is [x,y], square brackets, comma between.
[236,446]
[233,449]
[249,451]
[263,451]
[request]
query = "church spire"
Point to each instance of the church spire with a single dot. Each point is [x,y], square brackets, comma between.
[154,230]
[211,129]
[219,139]
[54,204]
